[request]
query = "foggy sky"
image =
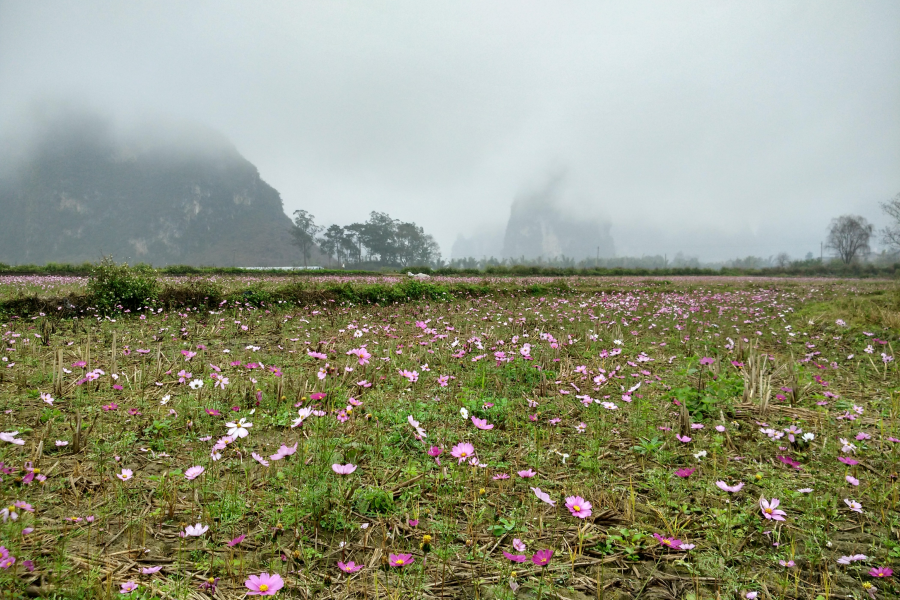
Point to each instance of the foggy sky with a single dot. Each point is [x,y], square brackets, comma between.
[718,129]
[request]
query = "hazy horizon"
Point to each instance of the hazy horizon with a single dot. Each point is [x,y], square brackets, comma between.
[716,130]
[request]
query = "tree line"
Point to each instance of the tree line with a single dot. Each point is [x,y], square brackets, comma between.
[383,241]
[379,241]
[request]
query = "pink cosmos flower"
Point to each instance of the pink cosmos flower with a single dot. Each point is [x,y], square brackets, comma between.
[210,585]
[770,509]
[128,587]
[401,560]
[519,558]
[527,473]
[789,461]
[361,354]
[193,472]
[413,376]
[125,475]
[151,570]
[264,584]
[237,540]
[544,496]
[443,380]
[284,451]
[685,472]
[542,558]
[854,505]
[435,452]
[668,542]
[682,438]
[852,480]
[343,469]
[846,560]
[519,545]
[10,436]
[462,451]
[881,572]
[482,424]
[730,488]
[578,506]
[349,567]
[499,476]
[259,459]
[417,426]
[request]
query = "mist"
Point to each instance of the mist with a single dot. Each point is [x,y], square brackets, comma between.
[717,130]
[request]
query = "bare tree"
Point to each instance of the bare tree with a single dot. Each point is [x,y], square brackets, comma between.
[849,237]
[890,235]
[782,260]
[304,232]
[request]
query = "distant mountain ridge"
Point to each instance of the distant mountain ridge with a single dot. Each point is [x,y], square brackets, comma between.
[541,228]
[163,193]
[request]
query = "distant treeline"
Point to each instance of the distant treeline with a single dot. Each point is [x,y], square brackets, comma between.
[812,268]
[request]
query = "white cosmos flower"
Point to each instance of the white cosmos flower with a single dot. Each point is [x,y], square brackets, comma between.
[196,384]
[195,530]
[465,413]
[239,429]
[304,414]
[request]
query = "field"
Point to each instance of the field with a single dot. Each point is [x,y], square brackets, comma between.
[509,438]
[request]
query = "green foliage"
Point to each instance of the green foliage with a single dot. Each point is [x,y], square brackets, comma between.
[113,287]
[715,394]
[373,501]
[503,527]
[648,445]
[626,541]
[196,292]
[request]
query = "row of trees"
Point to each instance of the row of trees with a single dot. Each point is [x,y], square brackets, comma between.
[381,240]
[384,241]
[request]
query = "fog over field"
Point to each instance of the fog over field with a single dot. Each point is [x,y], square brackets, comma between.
[714,129]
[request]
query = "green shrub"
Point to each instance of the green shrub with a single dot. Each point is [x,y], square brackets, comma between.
[196,292]
[113,287]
